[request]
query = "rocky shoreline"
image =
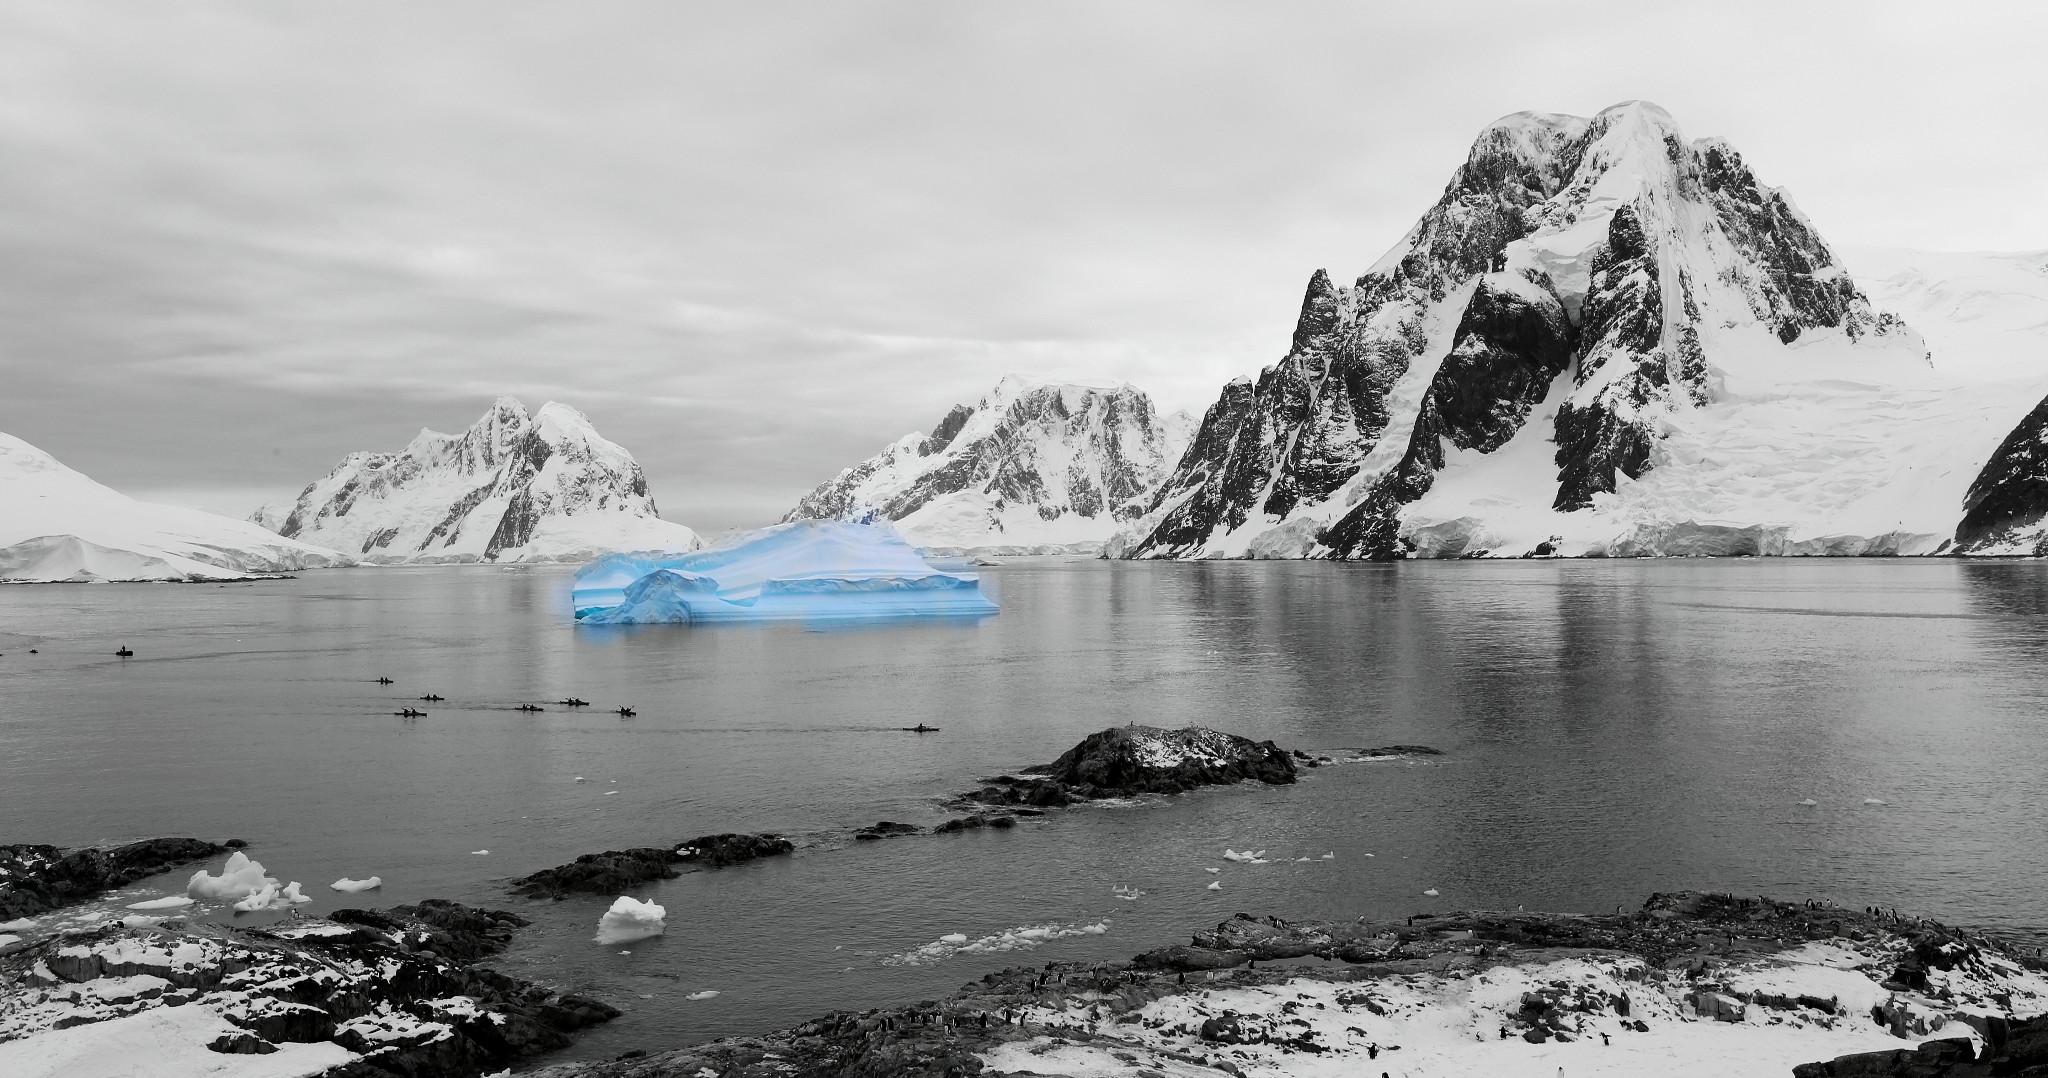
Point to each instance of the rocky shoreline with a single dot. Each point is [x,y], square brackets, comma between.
[35,879]
[614,871]
[1738,985]
[359,994]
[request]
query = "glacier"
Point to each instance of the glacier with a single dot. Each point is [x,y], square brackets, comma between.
[806,570]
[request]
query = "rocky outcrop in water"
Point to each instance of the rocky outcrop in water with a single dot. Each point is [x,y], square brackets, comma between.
[365,993]
[36,879]
[614,872]
[1127,761]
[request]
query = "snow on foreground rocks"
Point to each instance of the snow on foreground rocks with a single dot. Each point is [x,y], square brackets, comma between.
[385,992]
[36,879]
[1690,985]
[810,570]
[1125,761]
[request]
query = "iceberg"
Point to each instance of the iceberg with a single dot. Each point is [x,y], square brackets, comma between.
[239,878]
[807,570]
[631,919]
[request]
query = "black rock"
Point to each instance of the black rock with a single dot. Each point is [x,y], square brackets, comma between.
[617,871]
[36,879]
[882,829]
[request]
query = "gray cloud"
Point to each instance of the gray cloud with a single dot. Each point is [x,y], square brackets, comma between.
[755,242]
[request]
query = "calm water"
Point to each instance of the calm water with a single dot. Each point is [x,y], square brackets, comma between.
[1613,728]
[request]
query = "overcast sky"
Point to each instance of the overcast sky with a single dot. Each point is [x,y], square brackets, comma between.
[756,241]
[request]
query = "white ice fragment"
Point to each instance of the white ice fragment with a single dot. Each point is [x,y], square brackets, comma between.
[172,902]
[706,994]
[135,920]
[1809,802]
[1431,892]
[1013,939]
[630,919]
[479,852]
[17,924]
[1214,885]
[6,939]
[580,778]
[346,884]
[239,878]
[1332,856]
[610,793]
[1872,801]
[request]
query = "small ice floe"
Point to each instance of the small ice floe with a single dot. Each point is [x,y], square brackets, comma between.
[611,793]
[7,938]
[479,853]
[580,778]
[136,920]
[352,886]
[1128,894]
[706,994]
[1013,939]
[170,903]
[1212,870]
[1248,857]
[1214,885]
[19,924]
[1332,856]
[630,919]
[1431,892]
[239,878]
[1809,802]
[273,897]
[1874,801]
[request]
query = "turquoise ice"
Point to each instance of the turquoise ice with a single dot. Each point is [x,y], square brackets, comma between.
[808,570]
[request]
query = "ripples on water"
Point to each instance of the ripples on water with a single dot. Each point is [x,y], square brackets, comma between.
[1613,728]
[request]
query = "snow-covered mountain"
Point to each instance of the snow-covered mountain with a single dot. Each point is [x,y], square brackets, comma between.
[1984,313]
[56,524]
[514,487]
[1032,467]
[1602,339]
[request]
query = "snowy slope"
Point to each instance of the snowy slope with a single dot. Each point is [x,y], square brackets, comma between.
[1032,467]
[56,524]
[1603,339]
[513,487]
[1984,313]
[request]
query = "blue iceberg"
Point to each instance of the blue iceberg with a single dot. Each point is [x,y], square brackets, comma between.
[808,570]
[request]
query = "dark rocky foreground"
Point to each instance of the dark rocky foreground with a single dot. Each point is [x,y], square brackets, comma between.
[395,987]
[614,871]
[36,879]
[1682,945]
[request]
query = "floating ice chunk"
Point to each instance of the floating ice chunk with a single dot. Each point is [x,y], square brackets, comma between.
[7,938]
[136,920]
[1431,892]
[631,919]
[170,903]
[479,852]
[1248,857]
[1128,894]
[609,793]
[807,570]
[18,924]
[1809,802]
[706,994]
[1873,801]
[239,878]
[273,897]
[954,937]
[1332,856]
[1214,885]
[580,778]
[349,885]
[1212,870]
[1299,860]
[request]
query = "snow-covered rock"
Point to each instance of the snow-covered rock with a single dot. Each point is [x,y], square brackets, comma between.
[1604,339]
[1032,467]
[513,488]
[57,524]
